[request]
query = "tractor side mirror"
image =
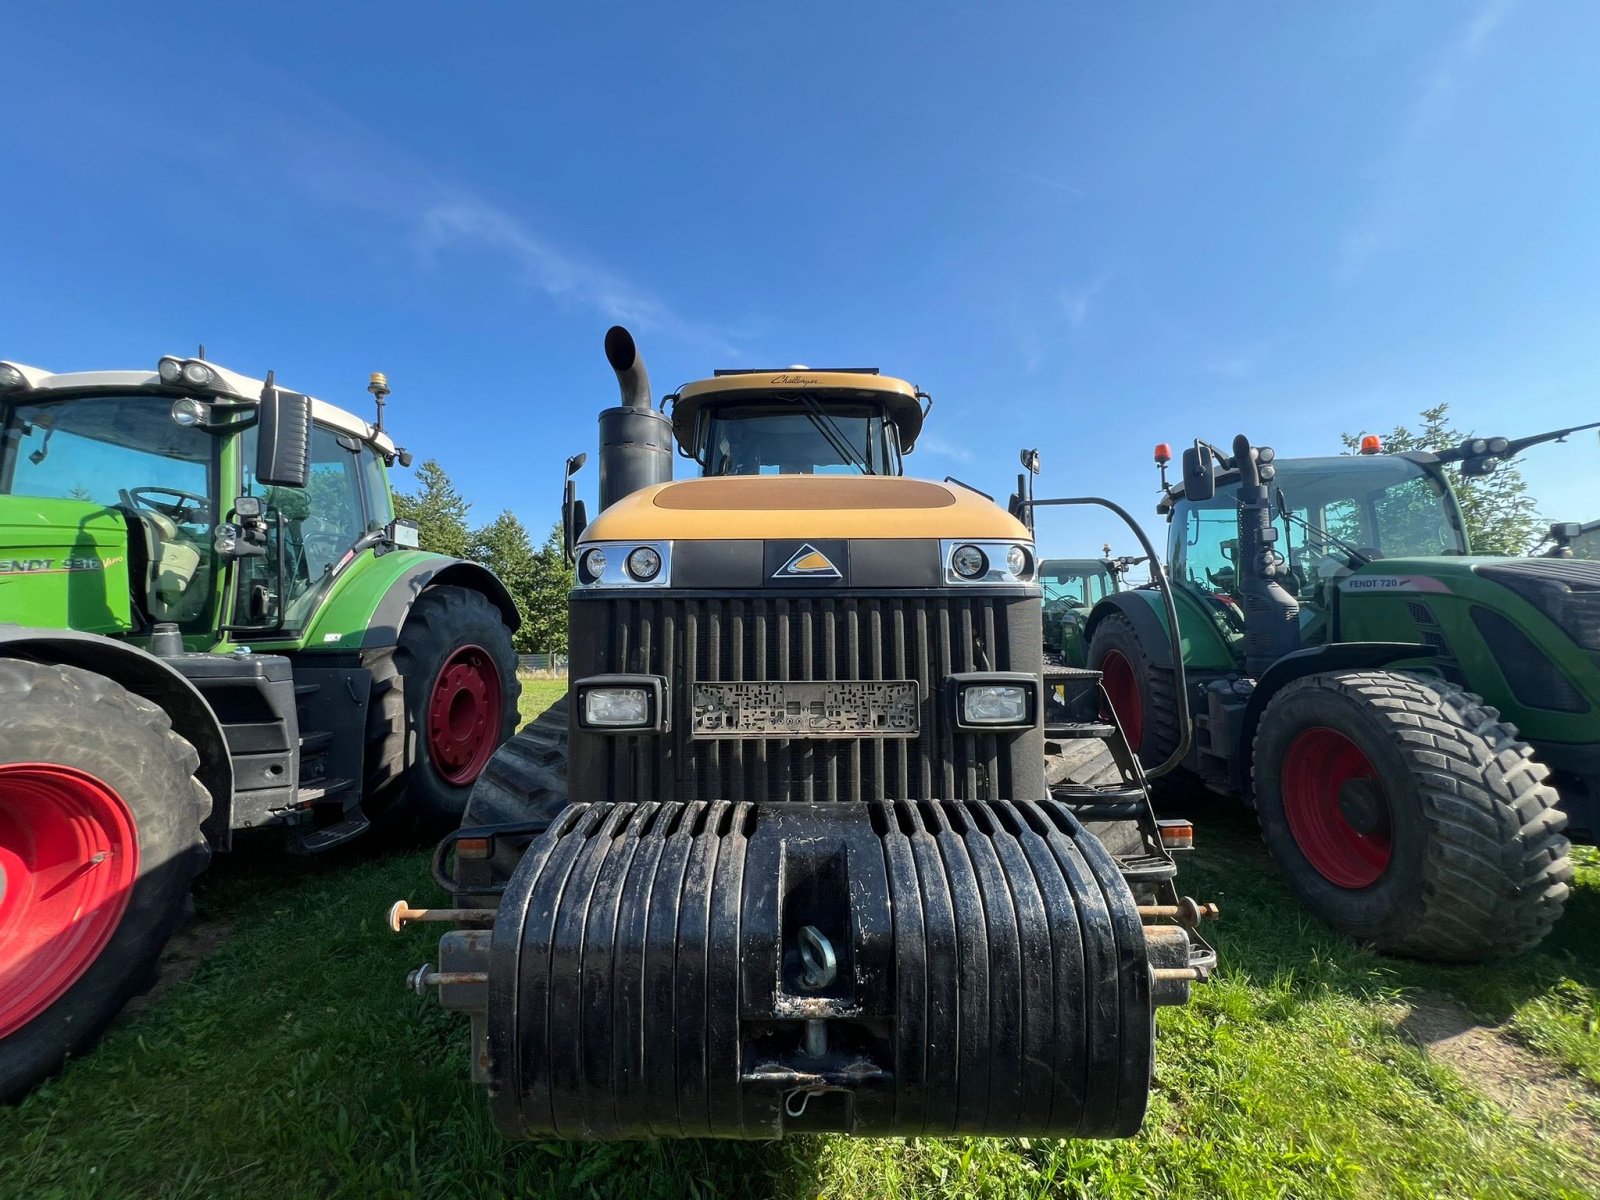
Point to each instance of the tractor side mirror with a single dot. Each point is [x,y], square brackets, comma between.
[283,439]
[574,513]
[1199,473]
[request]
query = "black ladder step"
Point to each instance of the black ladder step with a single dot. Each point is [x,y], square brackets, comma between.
[315,791]
[1147,868]
[310,743]
[330,836]
[1080,729]
[1083,793]
[1054,672]
[306,689]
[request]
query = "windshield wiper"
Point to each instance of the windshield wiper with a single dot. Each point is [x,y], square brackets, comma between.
[830,430]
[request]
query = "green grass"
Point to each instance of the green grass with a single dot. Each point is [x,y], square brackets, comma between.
[293,1063]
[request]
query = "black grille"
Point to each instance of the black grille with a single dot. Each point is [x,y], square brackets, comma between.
[806,638]
[1535,681]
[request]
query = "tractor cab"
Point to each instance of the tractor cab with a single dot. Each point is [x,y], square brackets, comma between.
[797,422]
[180,461]
[1334,515]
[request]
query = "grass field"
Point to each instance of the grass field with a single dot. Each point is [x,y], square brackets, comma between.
[291,1062]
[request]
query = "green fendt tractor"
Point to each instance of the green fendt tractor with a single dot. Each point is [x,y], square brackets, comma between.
[1401,714]
[210,620]
[1071,588]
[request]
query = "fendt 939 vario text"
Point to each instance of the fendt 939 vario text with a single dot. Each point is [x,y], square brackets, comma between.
[815,842]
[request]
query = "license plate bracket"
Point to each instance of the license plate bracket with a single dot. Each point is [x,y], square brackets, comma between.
[837,709]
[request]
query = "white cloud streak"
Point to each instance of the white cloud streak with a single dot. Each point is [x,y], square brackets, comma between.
[1394,202]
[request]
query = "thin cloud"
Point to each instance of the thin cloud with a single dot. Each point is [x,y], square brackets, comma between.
[1043,181]
[1395,200]
[1078,302]
[930,444]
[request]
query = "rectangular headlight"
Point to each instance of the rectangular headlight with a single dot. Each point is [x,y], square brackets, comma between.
[616,707]
[621,703]
[995,704]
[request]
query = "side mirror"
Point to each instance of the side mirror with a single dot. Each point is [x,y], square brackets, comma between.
[1199,473]
[283,437]
[574,514]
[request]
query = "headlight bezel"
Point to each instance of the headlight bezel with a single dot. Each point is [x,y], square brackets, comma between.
[997,565]
[615,570]
[1027,685]
[654,692]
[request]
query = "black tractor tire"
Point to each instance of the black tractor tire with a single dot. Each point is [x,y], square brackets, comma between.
[409,789]
[1471,863]
[1157,720]
[63,717]
[526,780]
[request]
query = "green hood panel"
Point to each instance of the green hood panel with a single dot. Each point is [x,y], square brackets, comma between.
[1504,647]
[64,565]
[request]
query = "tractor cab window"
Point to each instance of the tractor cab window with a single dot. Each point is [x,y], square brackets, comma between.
[1340,512]
[126,452]
[1079,586]
[800,437]
[317,525]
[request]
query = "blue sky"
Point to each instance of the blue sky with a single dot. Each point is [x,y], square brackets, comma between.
[1085,227]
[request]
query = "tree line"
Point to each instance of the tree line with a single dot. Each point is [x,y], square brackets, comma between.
[538,579]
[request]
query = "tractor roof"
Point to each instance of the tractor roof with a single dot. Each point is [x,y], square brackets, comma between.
[900,399]
[228,383]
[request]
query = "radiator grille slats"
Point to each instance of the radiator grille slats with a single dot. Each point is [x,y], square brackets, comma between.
[800,638]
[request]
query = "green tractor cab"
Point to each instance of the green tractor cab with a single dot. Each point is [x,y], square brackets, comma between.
[1071,587]
[1415,725]
[210,621]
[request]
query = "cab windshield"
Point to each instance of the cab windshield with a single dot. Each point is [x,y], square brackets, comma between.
[1081,586]
[126,452]
[799,437]
[107,449]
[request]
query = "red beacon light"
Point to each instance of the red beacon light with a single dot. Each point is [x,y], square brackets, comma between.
[1163,454]
[1371,443]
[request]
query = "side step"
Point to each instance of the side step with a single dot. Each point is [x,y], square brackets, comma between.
[316,791]
[1079,729]
[329,836]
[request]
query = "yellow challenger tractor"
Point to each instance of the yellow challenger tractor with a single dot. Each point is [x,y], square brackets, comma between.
[815,842]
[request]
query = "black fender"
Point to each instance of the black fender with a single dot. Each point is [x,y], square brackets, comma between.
[143,674]
[1313,660]
[1146,617]
[395,604]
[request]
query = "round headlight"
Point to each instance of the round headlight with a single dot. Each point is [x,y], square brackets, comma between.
[644,564]
[196,374]
[968,562]
[188,411]
[10,376]
[1017,561]
[170,370]
[594,564]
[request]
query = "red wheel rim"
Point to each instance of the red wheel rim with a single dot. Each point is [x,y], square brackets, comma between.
[69,859]
[1337,808]
[1122,690]
[464,715]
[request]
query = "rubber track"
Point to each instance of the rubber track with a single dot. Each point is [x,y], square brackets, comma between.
[526,780]
[1496,873]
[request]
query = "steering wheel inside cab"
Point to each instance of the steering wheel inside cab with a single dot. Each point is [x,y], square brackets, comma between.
[185,508]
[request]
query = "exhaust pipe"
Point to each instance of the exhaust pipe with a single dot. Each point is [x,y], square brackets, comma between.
[635,439]
[623,356]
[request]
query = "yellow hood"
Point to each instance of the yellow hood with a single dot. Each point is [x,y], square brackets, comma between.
[803,506]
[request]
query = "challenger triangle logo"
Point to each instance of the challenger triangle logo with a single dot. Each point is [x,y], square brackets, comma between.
[808,563]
